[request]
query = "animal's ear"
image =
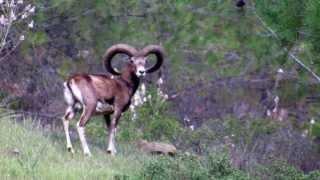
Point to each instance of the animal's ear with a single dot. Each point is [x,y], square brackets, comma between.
[131,59]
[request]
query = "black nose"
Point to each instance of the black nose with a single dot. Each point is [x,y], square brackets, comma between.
[141,72]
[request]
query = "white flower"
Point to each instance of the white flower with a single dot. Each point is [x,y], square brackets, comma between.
[20,1]
[136,103]
[280,70]
[160,81]
[32,9]
[21,38]
[24,15]
[1,1]
[312,121]
[186,118]
[12,16]
[12,4]
[192,127]
[28,7]
[165,97]
[31,24]
[305,133]
[2,20]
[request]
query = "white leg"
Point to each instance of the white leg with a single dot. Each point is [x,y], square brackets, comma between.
[68,115]
[112,131]
[66,130]
[114,141]
[82,137]
[111,145]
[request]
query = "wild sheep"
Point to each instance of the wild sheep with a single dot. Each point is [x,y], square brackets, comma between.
[101,94]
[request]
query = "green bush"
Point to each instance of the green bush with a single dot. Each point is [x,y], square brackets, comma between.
[285,16]
[187,166]
[153,121]
[314,175]
[281,171]
[312,20]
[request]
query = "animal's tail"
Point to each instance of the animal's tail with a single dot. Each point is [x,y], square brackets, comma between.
[70,100]
[68,94]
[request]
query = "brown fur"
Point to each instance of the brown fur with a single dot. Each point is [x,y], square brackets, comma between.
[100,87]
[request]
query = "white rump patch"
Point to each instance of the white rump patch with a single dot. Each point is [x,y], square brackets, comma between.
[76,91]
[68,95]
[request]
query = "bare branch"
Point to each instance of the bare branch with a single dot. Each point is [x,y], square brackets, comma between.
[291,55]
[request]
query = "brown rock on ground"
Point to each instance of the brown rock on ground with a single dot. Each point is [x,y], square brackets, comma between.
[157,147]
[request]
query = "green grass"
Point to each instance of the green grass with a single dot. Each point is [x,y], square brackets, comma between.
[26,152]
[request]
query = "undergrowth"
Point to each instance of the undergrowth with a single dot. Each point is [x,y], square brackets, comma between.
[27,151]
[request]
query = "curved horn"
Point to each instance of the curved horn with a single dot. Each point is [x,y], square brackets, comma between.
[156,50]
[116,49]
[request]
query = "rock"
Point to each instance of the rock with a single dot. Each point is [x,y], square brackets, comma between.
[156,147]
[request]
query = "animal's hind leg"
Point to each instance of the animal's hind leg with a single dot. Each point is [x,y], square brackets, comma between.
[85,116]
[68,116]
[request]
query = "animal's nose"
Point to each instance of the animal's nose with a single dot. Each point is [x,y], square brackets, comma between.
[141,71]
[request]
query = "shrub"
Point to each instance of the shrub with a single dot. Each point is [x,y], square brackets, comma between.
[282,171]
[314,175]
[219,167]
[153,122]
[187,166]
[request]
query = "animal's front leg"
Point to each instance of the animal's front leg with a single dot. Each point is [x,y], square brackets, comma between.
[112,133]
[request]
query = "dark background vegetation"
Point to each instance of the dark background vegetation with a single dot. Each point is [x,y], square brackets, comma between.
[221,70]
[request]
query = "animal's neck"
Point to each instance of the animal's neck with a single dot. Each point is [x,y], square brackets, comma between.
[132,80]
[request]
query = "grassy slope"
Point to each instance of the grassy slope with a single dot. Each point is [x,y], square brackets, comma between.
[26,152]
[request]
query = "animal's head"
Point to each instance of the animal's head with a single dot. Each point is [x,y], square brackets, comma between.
[137,59]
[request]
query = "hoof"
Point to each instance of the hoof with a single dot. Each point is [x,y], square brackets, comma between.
[70,149]
[87,154]
[112,153]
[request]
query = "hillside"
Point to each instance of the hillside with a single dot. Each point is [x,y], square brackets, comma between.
[28,151]
[240,81]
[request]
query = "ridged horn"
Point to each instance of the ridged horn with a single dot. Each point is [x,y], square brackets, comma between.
[114,50]
[158,51]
